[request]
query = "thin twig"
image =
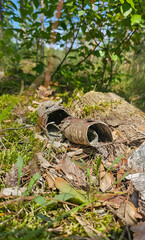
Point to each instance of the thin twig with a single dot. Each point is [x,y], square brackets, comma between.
[27,126]
[17,200]
[84,59]
[59,66]
[129,35]
[137,130]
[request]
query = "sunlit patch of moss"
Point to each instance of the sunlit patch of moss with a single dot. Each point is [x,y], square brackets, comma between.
[88,109]
[32,117]
[104,224]
[18,141]
[6,100]
[68,97]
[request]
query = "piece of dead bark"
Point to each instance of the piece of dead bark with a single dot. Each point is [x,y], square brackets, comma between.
[139,231]
[137,160]
[72,171]
[138,180]
[12,177]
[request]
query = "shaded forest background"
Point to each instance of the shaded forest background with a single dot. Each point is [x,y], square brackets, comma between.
[68,45]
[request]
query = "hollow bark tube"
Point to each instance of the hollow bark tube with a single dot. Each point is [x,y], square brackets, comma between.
[85,132]
[50,116]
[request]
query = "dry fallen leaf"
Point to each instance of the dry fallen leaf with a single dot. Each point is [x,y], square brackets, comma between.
[106,179]
[33,166]
[50,181]
[139,231]
[72,171]
[119,175]
[45,92]
[12,177]
[43,162]
[129,212]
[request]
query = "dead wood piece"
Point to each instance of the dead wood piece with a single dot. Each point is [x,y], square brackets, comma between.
[138,180]
[50,116]
[118,114]
[85,132]
[137,160]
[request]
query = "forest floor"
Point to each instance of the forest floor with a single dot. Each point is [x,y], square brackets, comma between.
[59,190]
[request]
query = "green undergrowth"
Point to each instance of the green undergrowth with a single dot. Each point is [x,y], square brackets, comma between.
[69,97]
[12,84]
[17,137]
[31,219]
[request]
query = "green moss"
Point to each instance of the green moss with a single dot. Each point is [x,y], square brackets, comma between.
[32,117]
[69,97]
[6,100]
[88,109]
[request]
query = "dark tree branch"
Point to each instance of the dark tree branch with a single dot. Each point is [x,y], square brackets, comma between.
[59,66]
[84,59]
[128,37]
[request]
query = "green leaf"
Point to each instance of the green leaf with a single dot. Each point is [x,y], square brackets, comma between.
[65,187]
[36,3]
[20,166]
[69,4]
[121,178]
[17,19]
[126,9]
[114,57]
[44,218]
[62,197]
[142,25]
[40,200]
[122,1]
[12,4]
[31,184]
[131,3]
[135,19]
[81,13]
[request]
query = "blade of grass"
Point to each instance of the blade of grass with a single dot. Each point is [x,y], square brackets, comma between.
[31,184]
[20,166]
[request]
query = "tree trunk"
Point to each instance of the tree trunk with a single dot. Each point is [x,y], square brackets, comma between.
[42,29]
[48,72]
